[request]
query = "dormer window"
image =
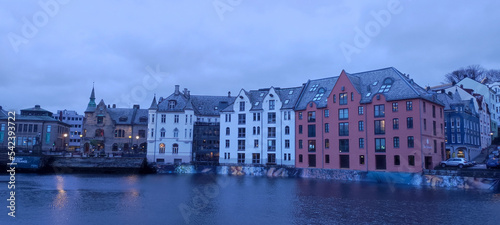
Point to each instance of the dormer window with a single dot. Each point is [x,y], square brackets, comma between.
[123,119]
[143,119]
[172,104]
[386,85]
[320,94]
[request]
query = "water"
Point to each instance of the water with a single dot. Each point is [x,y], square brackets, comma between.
[208,199]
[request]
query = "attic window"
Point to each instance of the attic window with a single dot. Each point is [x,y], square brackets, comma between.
[368,95]
[375,83]
[143,119]
[314,88]
[261,94]
[320,94]
[386,85]
[123,119]
[171,104]
[215,108]
[241,97]
[271,95]
[257,103]
[287,101]
[291,92]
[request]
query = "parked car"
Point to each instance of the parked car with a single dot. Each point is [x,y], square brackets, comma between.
[460,162]
[493,163]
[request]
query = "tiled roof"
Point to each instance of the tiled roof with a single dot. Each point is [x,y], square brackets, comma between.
[201,104]
[312,89]
[289,96]
[125,116]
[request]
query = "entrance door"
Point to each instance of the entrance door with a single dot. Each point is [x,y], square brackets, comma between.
[428,162]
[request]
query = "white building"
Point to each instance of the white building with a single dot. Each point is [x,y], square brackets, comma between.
[259,127]
[489,98]
[495,87]
[172,121]
[75,131]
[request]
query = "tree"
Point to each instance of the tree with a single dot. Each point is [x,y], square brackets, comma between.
[493,75]
[475,72]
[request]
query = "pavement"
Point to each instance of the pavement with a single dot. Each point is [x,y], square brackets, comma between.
[483,156]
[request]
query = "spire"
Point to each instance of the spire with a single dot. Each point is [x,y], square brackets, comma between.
[91,106]
[153,104]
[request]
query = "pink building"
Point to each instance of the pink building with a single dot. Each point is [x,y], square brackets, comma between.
[374,121]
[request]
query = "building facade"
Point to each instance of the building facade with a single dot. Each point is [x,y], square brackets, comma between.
[75,131]
[173,121]
[114,130]
[36,130]
[375,121]
[258,127]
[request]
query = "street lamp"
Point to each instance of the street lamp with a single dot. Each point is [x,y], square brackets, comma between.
[64,141]
[137,143]
[130,144]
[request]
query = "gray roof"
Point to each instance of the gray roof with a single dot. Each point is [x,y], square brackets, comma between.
[3,113]
[203,105]
[290,94]
[128,116]
[312,89]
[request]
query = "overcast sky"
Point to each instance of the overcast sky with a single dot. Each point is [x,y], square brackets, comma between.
[51,54]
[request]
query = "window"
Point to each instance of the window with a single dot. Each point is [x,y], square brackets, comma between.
[395,123]
[228,131]
[227,143]
[256,143]
[119,133]
[327,159]
[175,148]
[433,111]
[176,132]
[344,161]
[241,119]
[425,124]
[163,118]
[311,145]
[241,132]
[334,99]
[379,110]
[241,145]
[100,119]
[271,118]
[311,116]
[361,160]
[380,162]
[255,158]
[395,107]
[397,161]
[344,145]
[98,133]
[343,114]
[300,144]
[256,116]
[287,130]
[311,130]
[327,113]
[411,160]
[162,132]
[300,129]
[343,99]
[300,115]
[361,125]
[434,127]
[271,132]
[142,133]
[242,106]
[360,110]
[171,104]
[327,128]
[411,143]
[352,96]
[343,129]
[361,143]
[272,104]
[409,105]
[409,122]
[162,148]
[396,142]
[424,106]
[241,157]
[379,126]
[327,143]
[380,145]
[258,130]
[287,143]
[271,145]
[312,160]
[300,158]
[176,118]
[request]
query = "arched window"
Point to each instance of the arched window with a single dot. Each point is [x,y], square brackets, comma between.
[254,130]
[287,130]
[258,130]
[171,104]
[99,133]
[228,131]
[175,148]
[162,148]
[162,132]
[176,132]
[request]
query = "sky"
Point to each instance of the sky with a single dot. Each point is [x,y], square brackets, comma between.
[52,52]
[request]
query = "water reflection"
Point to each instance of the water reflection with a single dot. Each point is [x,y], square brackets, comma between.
[61,198]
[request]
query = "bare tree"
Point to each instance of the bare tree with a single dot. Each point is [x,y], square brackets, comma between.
[493,75]
[475,72]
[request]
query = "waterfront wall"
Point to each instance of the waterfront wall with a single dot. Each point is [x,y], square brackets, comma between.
[449,180]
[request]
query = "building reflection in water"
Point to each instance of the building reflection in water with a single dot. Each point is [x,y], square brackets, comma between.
[61,198]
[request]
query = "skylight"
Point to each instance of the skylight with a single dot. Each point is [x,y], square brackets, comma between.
[257,103]
[314,88]
[385,88]
[320,94]
[368,95]
[375,83]
[291,92]
[261,94]
[287,101]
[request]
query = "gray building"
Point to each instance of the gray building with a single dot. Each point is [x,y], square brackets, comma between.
[75,131]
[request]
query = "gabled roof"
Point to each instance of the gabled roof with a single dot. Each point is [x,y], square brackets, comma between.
[289,96]
[312,89]
[203,105]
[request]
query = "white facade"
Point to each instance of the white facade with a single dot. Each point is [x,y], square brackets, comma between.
[257,129]
[75,121]
[495,87]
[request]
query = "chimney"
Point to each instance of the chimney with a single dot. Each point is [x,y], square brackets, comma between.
[228,94]
[188,94]
[109,106]
[462,86]
[136,106]
[185,91]
[37,106]
[176,90]
[114,106]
